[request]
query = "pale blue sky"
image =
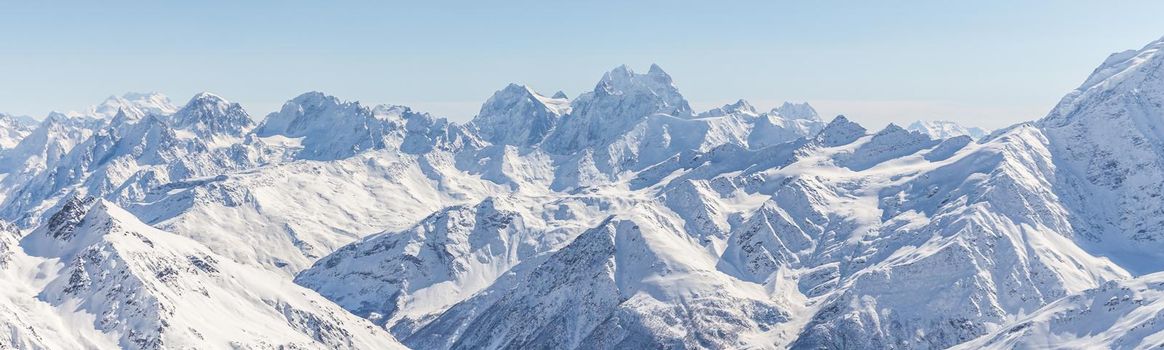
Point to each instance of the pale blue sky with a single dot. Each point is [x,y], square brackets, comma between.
[987,63]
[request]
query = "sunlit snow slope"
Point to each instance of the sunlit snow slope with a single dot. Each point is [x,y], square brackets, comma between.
[616,219]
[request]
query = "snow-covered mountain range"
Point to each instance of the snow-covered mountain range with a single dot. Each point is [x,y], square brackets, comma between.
[944,129]
[620,218]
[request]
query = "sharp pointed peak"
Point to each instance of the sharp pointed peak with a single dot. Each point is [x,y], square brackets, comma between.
[742,103]
[840,131]
[518,88]
[656,70]
[621,72]
[204,101]
[891,128]
[511,92]
[560,95]
[797,110]
[739,106]
[625,70]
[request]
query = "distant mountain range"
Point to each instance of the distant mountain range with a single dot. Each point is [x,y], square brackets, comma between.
[617,219]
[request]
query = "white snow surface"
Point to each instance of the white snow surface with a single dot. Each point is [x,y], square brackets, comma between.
[13,129]
[115,281]
[617,219]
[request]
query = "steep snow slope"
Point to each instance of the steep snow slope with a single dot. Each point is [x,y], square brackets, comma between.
[329,129]
[201,174]
[444,259]
[841,232]
[813,227]
[1117,315]
[26,322]
[618,102]
[123,160]
[287,216]
[617,219]
[13,129]
[208,116]
[1108,142]
[974,240]
[516,115]
[58,133]
[155,290]
[46,143]
[623,283]
[880,236]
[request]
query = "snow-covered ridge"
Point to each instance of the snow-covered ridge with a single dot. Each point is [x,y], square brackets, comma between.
[135,105]
[155,290]
[616,219]
[1123,314]
[944,129]
[13,129]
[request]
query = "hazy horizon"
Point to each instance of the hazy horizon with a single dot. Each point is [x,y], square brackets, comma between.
[981,64]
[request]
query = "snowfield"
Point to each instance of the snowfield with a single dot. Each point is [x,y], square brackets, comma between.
[616,219]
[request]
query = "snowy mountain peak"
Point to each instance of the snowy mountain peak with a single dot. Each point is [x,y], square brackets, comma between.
[840,131]
[206,97]
[892,128]
[624,76]
[1119,63]
[208,115]
[657,71]
[135,105]
[560,95]
[1132,71]
[742,105]
[150,289]
[613,220]
[515,87]
[54,117]
[13,129]
[17,120]
[310,112]
[802,111]
[656,85]
[315,98]
[944,129]
[330,129]
[620,100]
[1106,138]
[739,107]
[516,115]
